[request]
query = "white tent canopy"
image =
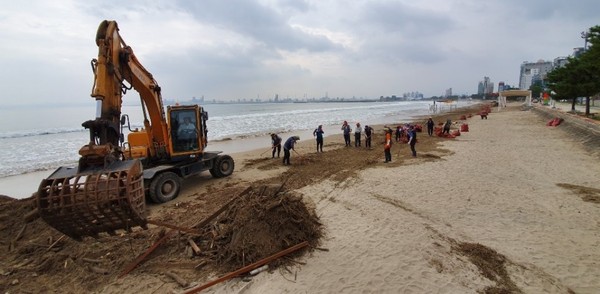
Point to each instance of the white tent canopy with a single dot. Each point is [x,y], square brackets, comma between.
[513,93]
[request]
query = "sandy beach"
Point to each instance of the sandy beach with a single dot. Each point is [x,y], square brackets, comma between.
[512,206]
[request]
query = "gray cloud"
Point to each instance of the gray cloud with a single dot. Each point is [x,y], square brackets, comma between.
[259,22]
[235,49]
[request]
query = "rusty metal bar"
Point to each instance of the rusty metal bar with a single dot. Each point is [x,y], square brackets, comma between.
[248,268]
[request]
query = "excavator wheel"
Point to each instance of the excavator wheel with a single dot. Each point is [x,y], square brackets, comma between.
[222,167]
[165,187]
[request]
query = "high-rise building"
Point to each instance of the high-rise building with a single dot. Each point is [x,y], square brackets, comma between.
[533,71]
[485,87]
[500,86]
[448,93]
[578,51]
[560,62]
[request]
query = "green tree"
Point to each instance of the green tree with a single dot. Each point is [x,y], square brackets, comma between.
[580,77]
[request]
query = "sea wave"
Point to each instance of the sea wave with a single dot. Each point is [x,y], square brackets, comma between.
[44,132]
[295,112]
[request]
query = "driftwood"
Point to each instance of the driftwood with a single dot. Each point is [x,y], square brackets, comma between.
[32,215]
[218,212]
[169,234]
[201,264]
[98,270]
[174,227]
[55,242]
[182,282]
[91,260]
[194,246]
[13,242]
[20,234]
[140,258]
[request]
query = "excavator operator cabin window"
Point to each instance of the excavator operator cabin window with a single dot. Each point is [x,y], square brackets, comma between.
[187,133]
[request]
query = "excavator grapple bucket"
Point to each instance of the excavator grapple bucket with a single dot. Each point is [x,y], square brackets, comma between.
[94,201]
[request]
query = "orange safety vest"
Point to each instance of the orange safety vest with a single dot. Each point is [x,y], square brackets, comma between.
[388,140]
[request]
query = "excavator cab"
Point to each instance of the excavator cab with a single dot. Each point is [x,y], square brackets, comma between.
[187,135]
[187,128]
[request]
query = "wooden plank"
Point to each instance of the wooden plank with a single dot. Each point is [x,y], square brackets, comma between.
[248,268]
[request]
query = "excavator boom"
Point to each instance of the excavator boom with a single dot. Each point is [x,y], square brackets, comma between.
[105,193]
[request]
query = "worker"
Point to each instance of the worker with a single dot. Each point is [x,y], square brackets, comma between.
[187,133]
[430,125]
[447,127]
[387,146]
[289,145]
[346,128]
[368,133]
[318,133]
[399,133]
[357,135]
[412,139]
[275,145]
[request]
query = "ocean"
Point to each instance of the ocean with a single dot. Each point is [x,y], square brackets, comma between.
[45,138]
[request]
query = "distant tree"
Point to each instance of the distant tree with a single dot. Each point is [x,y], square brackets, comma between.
[580,77]
[536,89]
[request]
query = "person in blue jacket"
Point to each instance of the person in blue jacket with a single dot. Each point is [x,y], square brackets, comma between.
[289,145]
[318,132]
[412,140]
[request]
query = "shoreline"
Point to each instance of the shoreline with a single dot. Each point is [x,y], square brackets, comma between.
[24,185]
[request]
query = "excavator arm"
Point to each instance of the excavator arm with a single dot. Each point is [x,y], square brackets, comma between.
[106,192]
[116,67]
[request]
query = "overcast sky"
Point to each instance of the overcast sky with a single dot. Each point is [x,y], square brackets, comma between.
[227,50]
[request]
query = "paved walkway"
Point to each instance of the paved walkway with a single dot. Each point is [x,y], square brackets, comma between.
[565,106]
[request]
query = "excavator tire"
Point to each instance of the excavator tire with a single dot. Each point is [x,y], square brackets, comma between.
[165,187]
[222,167]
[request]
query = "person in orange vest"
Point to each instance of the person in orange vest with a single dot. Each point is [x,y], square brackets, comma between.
[387,146]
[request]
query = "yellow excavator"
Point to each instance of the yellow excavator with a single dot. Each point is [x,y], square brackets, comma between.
[107,191]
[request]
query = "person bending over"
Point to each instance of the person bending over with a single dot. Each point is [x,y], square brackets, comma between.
[289,145]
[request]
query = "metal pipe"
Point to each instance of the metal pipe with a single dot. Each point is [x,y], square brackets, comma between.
[98,108]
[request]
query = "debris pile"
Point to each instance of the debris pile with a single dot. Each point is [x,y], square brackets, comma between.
[256,225]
